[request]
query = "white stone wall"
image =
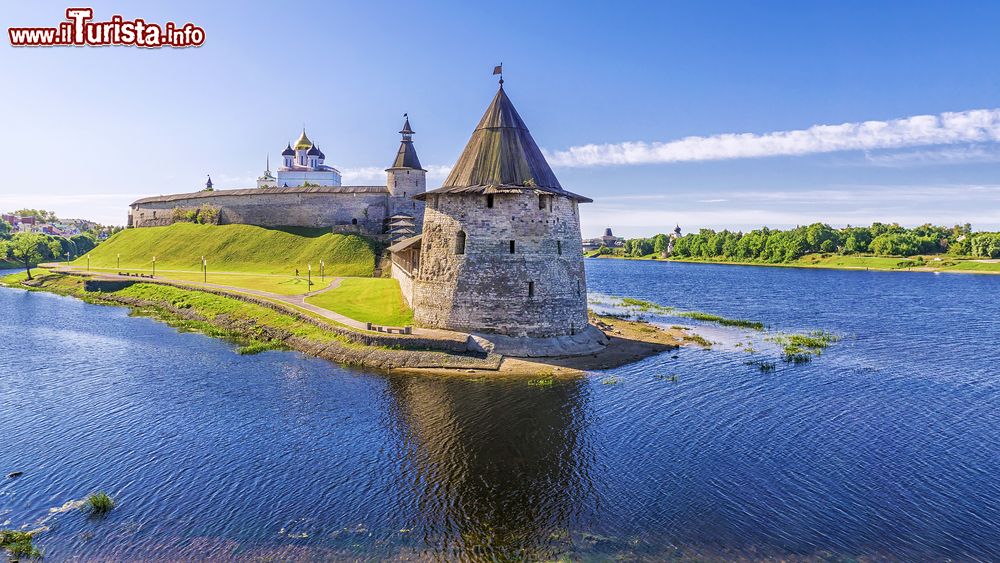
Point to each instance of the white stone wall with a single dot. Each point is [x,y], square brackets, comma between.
[296,178]
[365,210]
[486,289]
[405,282]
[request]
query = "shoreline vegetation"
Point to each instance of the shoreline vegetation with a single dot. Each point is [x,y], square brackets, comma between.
[885,247]
[257,325]
[795,348]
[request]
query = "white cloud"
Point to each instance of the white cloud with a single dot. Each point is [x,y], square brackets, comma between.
[375,175]
[944,155]
[974,126]
[944,204]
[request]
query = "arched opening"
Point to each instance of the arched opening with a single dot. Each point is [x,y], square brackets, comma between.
[460,242]
[512,247]
[489,201]
[354,221]
[559,247]
[531,289]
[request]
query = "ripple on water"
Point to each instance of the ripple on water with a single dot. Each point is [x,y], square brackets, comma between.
[882,447]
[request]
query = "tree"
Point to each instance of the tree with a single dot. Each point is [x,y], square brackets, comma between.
[5,229]
[27,249]
[40,214]
[660,244]
[84,243]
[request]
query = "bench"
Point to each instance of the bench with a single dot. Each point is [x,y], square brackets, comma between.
[389,329]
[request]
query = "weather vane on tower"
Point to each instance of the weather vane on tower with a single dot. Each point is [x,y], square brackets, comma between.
[499,70]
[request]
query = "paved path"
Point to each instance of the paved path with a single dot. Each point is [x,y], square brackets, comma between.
[298,301]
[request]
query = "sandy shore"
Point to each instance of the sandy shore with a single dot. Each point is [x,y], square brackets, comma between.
[631,341]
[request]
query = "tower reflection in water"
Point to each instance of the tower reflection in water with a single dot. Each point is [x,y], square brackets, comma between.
[497,469]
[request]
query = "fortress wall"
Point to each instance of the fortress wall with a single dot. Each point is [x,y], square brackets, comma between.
[276,210]
[486,289]
[405,282]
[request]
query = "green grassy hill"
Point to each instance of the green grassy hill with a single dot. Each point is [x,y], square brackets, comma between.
[234,248]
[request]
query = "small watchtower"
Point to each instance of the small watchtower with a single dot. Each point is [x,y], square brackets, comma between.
[406,178]
[501,249]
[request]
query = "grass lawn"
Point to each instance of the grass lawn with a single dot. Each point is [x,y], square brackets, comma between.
[969,266]
[375,300]
[851,261]
[234,248]
[274,283]
[861,262]
[21,276]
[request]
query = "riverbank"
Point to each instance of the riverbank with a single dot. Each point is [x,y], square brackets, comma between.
[257,324]
[928,263]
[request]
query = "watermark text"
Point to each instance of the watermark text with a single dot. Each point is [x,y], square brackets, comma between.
[80,30]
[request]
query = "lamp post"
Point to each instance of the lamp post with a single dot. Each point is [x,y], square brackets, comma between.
[322,270]
[310,279]
[88,263]
[154,266]
[119,261]
[204,269]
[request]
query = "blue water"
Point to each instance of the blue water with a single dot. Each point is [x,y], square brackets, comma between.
[887,446]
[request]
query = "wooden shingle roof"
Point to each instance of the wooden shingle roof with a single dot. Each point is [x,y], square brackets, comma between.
[501,157]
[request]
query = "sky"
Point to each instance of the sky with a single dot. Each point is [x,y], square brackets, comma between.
[700,114]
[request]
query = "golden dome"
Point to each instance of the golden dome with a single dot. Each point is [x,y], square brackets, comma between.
[303,143]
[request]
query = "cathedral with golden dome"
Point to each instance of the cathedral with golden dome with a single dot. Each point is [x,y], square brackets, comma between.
[303,164]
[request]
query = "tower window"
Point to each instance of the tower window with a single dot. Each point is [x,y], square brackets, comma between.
[559,247]
[489,201]
[354,221]
[512,247]
[531,289]
[460,243]
[541,201]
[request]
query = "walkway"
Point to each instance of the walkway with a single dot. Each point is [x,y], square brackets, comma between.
[298,301]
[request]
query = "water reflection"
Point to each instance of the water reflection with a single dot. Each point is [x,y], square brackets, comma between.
[498,471]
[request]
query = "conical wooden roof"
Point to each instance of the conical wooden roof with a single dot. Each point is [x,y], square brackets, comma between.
[502,157]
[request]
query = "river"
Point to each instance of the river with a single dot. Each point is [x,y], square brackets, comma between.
[885,447]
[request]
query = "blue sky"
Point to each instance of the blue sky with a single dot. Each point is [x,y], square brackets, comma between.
[88,130]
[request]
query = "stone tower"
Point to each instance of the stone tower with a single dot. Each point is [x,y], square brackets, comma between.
[501,249]
[406,179]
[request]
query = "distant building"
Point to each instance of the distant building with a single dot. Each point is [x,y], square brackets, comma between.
[304,165]
[267,180]
[305,192]
[609,240]
[670,243]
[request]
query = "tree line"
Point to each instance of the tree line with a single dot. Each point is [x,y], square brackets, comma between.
[27,250]
[777,246]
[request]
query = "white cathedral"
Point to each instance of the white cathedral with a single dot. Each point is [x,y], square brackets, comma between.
[303,164]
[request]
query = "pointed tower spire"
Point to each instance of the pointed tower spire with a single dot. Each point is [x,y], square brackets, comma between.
[406,156]
[501,152]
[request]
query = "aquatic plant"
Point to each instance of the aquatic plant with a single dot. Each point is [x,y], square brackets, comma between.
[611,380]
[257,347]
[19,544]
[645,305]
[762,365]
[542,382]
[98,503]
[707,317]
[698,339]
[801,348]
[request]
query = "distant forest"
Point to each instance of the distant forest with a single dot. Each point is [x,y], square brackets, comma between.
[777,246]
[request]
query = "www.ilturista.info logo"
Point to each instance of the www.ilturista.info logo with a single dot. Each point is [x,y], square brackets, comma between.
[79,30]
